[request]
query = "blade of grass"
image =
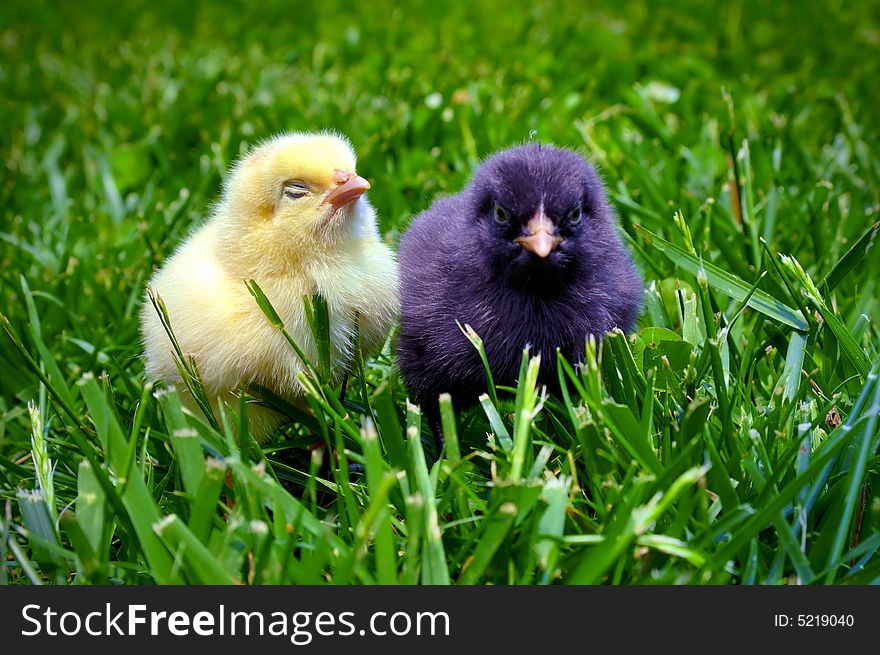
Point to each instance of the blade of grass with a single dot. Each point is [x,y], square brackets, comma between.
[864,446]
[136,498]
[851,349]
[727,283]
[496,423]
[200,566]
[477,343]
[434,569]
[843,266]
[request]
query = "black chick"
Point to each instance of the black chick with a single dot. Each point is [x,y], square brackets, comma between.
[527,253]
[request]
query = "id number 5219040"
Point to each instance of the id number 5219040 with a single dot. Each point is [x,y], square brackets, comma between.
[813,620]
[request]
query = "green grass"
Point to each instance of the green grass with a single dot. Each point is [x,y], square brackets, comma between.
[732,439]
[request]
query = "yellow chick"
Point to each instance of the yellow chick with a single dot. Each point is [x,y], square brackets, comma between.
[293,217]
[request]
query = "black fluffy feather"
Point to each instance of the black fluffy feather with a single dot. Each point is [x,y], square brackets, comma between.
[460,261]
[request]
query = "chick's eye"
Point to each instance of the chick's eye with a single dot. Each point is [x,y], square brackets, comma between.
[575,215]
[501,215]
[295,190]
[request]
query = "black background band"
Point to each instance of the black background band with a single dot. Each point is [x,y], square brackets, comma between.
[516,618]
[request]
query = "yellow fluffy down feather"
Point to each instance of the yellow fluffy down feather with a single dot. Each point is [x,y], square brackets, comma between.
[292,217]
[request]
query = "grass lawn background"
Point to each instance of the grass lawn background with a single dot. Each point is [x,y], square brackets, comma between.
[733,439]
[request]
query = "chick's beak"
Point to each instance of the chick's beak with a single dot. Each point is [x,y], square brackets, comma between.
[347,188]
[542,238]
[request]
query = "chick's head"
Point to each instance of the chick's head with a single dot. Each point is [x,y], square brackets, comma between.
[539,217]
[298,189]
